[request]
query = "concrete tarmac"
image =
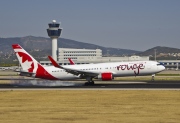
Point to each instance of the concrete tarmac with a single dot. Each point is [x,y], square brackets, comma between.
[47,84]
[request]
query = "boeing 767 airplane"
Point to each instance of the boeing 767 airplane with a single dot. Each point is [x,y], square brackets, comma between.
[103,71]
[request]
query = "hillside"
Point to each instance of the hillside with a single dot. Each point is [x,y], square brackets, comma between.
[41,43]
[160,49]
[40,47]
[162,53]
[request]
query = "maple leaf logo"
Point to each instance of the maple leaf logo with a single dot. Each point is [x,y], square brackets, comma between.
[27,61]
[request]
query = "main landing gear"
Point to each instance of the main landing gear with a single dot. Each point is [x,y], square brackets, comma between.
[89,81]
[153,76]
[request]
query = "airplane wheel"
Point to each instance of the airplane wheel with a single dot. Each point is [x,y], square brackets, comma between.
[89,83]
[86,83]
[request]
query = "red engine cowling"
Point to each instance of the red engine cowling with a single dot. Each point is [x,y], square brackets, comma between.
[105,76]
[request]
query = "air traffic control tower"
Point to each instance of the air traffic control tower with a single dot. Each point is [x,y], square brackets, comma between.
[54,32]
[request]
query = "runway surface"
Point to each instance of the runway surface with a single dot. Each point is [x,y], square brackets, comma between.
[47,84]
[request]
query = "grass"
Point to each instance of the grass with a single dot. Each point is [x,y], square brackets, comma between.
[8,73]
[97,106]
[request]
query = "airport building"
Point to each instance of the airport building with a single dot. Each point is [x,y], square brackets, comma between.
[78,54]
[171,64]
[54,32]
[87,56]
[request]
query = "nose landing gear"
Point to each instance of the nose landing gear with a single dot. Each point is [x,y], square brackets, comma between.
[153,76]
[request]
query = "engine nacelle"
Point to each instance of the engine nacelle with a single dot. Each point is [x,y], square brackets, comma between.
[105,76]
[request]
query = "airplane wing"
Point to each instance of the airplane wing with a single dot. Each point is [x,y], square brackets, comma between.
[74,71]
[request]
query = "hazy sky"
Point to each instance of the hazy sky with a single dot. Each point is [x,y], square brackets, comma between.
[128,24]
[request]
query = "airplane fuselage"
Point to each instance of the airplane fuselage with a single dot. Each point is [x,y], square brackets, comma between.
[118,69]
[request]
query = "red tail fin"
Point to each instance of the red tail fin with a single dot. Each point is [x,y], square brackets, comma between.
[29,64]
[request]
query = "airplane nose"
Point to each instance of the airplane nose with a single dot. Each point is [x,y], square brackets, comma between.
[161,68]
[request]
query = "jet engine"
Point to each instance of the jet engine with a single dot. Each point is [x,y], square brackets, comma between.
[105,76]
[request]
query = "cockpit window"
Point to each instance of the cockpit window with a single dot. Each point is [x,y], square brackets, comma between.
[160,64]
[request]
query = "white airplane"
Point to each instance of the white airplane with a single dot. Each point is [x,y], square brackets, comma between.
[103,71]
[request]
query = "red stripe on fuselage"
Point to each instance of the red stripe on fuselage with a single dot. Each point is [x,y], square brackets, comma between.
[42,73]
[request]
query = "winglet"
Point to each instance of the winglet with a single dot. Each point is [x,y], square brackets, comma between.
[54,62]
[71,61]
